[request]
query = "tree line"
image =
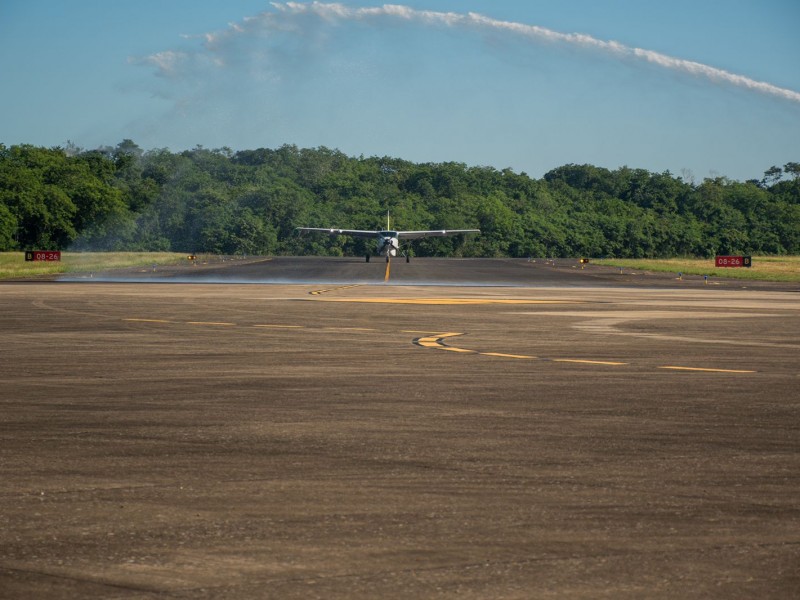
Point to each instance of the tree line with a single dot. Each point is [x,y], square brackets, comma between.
[250,202]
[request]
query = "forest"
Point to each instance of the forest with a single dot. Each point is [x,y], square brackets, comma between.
[124,198]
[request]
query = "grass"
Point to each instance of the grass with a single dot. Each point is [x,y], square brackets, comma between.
[765,268]
[13,264]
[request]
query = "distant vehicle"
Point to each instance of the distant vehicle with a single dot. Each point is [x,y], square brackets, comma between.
[388,240]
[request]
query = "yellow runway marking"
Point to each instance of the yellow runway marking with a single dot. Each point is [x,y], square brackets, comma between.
[501,355]
[419,331]
[445,301]
[388,268]
[589,362]
[429,343]
[435,341]
[706,370]
[148,320]
[341,287]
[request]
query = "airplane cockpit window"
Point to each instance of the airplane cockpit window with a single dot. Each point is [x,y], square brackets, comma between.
[389,233]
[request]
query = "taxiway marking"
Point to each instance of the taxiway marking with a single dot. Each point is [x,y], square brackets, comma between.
[434,341]
[447,301]
[419,331]
[589,362]
[502,355]
[437,341]
[325,291]
[455,349]
[707,370]
[148,320]
[388,268]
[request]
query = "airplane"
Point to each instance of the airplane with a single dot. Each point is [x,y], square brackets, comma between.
[388,240]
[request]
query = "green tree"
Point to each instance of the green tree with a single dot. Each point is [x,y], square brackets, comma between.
[29,190]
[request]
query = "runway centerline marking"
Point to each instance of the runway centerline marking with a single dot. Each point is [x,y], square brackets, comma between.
[211,323]
[388,268]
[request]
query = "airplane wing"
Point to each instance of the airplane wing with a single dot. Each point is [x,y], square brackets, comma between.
[415,235]
[334,231]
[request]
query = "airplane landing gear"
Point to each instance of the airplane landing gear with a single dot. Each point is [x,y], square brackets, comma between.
[367,257]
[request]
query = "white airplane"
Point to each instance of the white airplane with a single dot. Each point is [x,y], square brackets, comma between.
[388,239]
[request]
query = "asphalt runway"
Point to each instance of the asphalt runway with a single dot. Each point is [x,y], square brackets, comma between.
[320,428]
[420,271]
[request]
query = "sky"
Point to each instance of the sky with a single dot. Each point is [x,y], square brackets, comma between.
[700,88]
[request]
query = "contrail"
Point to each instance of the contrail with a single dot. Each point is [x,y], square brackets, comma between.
[167,63]
[334,11]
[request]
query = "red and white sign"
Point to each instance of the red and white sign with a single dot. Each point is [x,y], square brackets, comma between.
[733,261]
[42,255]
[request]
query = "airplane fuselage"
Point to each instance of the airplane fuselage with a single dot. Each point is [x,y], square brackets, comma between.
[388,244]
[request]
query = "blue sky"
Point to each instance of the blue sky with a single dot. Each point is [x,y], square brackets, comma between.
[413,82]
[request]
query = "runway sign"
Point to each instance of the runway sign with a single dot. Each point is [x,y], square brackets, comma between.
[42,255]
[733,261]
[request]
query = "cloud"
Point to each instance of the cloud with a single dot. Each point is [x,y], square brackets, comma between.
[167,63]
[293,17]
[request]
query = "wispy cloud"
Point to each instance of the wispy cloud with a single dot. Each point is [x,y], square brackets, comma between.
[167,63]
[292,17]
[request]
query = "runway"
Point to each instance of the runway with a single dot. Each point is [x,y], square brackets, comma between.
[306,428]
[420,271]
